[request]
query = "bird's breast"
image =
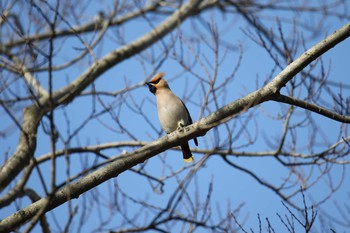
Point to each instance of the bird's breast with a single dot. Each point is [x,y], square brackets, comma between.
[171,113]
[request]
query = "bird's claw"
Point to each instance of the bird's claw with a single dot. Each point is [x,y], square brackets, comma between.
[180,127]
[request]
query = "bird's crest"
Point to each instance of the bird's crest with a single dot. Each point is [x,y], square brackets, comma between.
[156,78]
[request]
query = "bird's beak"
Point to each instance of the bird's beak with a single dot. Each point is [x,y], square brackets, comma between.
[148,84]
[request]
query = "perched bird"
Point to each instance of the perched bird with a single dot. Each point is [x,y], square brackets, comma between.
[172,112]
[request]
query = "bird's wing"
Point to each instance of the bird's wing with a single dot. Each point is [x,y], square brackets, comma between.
[190,121]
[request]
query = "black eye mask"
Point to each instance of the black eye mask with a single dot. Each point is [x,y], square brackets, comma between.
[152,89]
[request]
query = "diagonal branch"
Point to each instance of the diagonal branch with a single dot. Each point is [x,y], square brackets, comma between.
[118,165]
[307,57]
[65,95]
[312,107]
[20,68]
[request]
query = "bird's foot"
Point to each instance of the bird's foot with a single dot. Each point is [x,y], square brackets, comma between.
[180,127]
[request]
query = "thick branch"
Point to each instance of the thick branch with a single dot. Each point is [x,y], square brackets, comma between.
[125,162]
[25,148]
[67,93]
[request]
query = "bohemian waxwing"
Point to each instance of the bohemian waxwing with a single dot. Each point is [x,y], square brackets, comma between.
[172,112]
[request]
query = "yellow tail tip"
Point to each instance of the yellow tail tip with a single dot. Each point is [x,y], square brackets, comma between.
[188,160]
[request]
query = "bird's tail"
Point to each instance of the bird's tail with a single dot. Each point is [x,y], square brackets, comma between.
[187,155]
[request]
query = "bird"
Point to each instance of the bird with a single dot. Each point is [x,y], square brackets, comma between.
[172,112]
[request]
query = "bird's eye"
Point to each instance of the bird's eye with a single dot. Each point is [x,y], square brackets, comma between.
[156,81]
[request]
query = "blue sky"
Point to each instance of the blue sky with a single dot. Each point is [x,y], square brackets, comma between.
[230,186]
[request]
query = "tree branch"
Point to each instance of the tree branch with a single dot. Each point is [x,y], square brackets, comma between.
[86,28]
[33,114]
[312,107]
[307,57]
[124,162]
